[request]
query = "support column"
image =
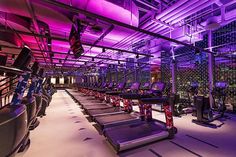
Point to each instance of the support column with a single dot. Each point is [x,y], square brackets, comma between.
[135,74]
[116,77]
[173,71]
[173,75]
[210,67]
[125,75]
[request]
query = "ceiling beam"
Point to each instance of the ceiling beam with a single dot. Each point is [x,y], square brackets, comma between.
[55,52]
[118,23]
[83,43]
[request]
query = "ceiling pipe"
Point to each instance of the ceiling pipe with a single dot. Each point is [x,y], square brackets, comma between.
[157,28]
[102,58]
[147,4]
[87,44]
[189,4]
[76,10]
[190,11]
[36,27]
[179,18]
[168,21]
[162,14]
[33,50]
[145,26]
[102,36]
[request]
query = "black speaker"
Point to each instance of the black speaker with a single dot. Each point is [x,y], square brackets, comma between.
[22,59]
[41,72]
[3,60]
[35,68]
[25,66]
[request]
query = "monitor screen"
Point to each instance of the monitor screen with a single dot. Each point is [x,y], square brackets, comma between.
[135,86]
[220,84]
[158,86]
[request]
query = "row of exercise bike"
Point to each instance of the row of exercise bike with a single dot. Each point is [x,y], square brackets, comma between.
[31,96]
[110,106]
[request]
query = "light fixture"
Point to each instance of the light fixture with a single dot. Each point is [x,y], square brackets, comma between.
[137,56]
[103,50]
[93,59]
[118,62]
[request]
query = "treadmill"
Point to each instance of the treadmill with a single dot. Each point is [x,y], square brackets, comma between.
[81,97]
[90,105]
[136,133]
[115,110]
[110,120]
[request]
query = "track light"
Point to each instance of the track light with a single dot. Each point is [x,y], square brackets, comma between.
[103,50]
[137,56]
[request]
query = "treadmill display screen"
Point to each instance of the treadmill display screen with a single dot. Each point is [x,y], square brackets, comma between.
[158,86]
[221,84]
[110,85]
[194,84]
[146,85]
[135,86]
[121,85]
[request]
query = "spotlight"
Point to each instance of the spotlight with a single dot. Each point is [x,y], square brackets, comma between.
[137,56]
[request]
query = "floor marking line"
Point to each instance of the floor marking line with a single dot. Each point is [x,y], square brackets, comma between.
[154,152]
[185,148]
[202,141]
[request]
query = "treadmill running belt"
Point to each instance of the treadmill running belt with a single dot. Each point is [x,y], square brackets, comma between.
[134,131]
[114,118]
[101,111]
[96,106]
[89,101]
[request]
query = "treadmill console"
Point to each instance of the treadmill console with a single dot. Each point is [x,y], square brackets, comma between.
[158,86]
[110,85]
[135,86]
[221,85]
[121,86]
[194,84]
[146,85]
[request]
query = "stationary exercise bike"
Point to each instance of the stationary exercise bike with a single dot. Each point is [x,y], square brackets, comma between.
[219,94]
[186,105]
[204,112]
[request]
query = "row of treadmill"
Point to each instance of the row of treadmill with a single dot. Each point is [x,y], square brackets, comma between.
[31,96]
[111,105]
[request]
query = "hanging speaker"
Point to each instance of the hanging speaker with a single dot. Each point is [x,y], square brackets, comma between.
[41,72]
[35,68]
[3,61]
[22,58]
